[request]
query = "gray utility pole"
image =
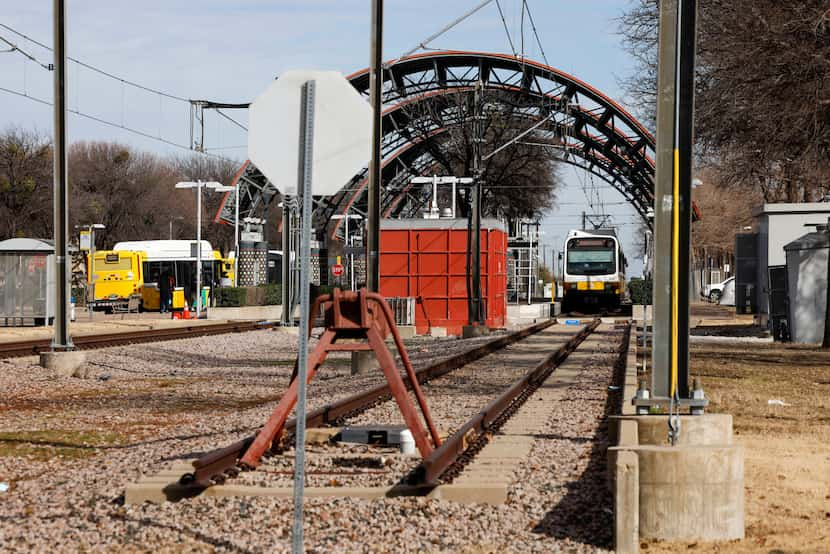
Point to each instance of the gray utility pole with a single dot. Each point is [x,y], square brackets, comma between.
[672,199]
[285,318]
[478,138]
[375,93]
[61,339]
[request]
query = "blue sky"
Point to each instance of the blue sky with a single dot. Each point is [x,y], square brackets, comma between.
[230,51]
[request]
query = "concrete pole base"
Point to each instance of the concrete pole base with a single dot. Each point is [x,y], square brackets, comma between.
[693,490]
[65,364]
[473,331]
[363,361]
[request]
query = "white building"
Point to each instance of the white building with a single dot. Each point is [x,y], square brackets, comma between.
[777,225]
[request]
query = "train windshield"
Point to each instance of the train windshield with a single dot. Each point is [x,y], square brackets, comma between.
[591,256]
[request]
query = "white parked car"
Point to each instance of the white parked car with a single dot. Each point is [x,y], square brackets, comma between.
[721,293]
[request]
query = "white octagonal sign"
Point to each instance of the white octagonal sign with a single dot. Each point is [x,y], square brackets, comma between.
[342,131]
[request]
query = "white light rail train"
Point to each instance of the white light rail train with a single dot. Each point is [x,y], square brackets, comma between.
[594,271]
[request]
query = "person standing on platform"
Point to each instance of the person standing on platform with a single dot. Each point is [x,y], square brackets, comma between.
[171,281]
[164,292]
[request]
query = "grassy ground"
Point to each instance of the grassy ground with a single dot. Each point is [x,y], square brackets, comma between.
[787,448]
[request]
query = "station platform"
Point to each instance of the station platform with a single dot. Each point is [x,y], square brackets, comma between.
[102,323]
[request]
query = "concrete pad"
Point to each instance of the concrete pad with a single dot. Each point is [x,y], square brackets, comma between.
[363,361]
[169,490]
[405,331]
[438,332]
[65,364]
[474,331]
[246,313]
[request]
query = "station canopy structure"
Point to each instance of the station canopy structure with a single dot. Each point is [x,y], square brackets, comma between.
[586,128]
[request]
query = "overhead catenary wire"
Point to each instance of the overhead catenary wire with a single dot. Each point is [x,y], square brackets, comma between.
[229,118]
[95,69]
[16,48]
[113,124]
[122,83]
[535,32]
[423,44]
[507,30]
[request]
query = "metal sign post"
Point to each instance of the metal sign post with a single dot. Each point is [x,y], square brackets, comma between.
[330,147]
[306,157]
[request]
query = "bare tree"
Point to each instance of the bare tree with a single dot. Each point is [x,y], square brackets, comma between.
[194,167]
[520,180]
[25,184]
[763,98]
[128,191]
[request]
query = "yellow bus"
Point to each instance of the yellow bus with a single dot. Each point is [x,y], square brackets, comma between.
[138,267]
[117,276]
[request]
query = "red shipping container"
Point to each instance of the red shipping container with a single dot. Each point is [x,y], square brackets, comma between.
[427,259]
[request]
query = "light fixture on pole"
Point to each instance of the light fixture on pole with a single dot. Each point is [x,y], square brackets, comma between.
[198,185]
[442,180]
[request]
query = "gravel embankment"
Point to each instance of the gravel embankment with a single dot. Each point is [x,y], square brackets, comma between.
[69,446]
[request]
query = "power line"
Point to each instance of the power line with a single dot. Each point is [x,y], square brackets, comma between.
[535,33]
[229,118]
[97,70]
[506,30]
[116,125]
[16,48]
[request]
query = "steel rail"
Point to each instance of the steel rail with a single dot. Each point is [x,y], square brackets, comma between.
[32,347]
[215,466]
[473,434]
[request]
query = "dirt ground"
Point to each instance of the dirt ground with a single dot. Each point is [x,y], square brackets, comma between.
[787,447]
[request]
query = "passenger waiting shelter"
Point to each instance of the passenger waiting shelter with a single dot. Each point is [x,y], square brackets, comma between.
[27,282]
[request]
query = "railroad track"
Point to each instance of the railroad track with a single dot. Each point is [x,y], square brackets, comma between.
[88,342]
[449,459]
[217,466]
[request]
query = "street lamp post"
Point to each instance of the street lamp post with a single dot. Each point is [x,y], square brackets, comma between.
[199,185]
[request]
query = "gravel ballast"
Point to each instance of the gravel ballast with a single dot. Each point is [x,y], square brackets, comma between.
[68,447]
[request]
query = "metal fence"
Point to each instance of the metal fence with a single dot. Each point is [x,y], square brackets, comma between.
[403,308]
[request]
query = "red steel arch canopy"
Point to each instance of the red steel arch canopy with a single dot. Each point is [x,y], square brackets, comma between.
[599,135]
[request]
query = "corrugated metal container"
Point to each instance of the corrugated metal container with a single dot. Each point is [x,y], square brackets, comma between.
[427,259]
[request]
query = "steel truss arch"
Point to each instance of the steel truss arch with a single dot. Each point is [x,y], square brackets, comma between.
[597,133]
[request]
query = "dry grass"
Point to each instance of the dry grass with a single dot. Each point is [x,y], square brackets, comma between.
[55,443]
